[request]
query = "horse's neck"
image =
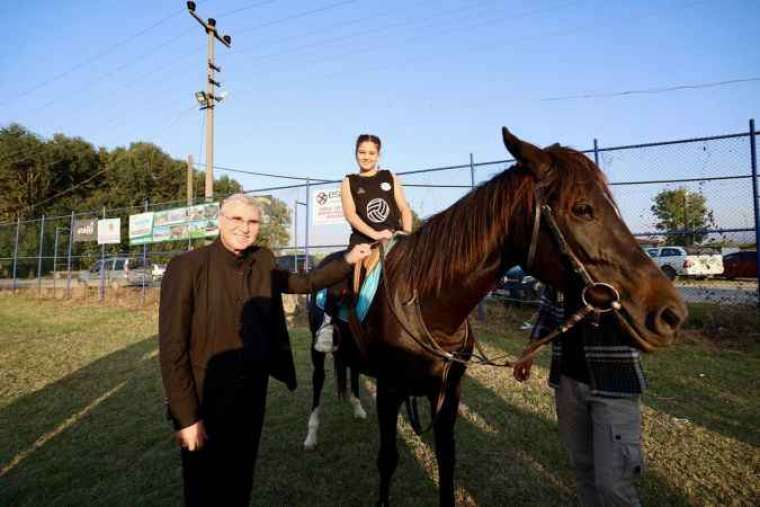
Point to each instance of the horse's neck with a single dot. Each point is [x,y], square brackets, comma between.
[457,299]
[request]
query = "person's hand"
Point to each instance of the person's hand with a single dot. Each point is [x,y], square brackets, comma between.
[193,437]
[358,253]
[384,234]
[521,372]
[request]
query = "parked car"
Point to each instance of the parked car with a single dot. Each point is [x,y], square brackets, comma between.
[516,285]
[139,273]
[120,271]
[115,271]
[158,271]
[740,264]
[291,262]
[675,261]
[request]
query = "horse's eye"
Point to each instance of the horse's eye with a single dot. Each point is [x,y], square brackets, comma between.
[584,211]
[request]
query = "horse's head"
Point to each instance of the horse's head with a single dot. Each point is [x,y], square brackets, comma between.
[586,216]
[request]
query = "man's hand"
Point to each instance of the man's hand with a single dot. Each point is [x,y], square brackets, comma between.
[193,437]
[358,253]
[521,372]
[384,234]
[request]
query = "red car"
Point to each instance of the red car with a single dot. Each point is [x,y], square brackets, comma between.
[740,264]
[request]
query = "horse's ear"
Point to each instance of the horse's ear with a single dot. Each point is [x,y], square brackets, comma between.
[527,155]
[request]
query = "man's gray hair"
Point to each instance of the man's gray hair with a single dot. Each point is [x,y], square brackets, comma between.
[242,198]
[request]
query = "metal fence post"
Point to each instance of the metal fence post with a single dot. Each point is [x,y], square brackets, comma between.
[15,252]
[295,235]
[55,258]
[102,266]
[144,257]
[39,255]
[755,204]
[68,261]
[306,263]
[596,152]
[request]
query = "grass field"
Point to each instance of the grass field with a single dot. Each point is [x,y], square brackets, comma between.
[81,422]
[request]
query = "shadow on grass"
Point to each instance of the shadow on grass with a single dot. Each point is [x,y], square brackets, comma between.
[710,387]
[531,466]
[114,447]
[104,439]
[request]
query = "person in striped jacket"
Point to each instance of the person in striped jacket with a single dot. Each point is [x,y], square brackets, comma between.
[598,381]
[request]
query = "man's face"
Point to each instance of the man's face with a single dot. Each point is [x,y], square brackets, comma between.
[238,226]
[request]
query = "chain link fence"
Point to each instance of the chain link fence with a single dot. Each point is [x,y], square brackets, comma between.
[41,254]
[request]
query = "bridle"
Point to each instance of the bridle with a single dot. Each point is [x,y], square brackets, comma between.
[465,355]
[592,307]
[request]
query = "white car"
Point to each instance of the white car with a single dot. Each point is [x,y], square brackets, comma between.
[675,261]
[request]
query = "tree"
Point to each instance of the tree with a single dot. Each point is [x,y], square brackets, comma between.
[275,231]
[682,215]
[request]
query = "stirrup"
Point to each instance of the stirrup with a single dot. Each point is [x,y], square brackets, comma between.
[324,341]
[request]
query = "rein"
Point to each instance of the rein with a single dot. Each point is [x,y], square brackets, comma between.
[479,357]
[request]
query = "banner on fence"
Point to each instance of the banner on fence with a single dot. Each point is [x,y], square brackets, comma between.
[109,231]
[327,207]
[85,230]
[141,228]
[176,224]
[201,221]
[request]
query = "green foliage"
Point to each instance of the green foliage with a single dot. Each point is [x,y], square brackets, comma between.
[682,215]
[55,176]
[276,231]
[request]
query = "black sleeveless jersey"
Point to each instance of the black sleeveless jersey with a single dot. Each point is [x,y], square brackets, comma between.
[375,203]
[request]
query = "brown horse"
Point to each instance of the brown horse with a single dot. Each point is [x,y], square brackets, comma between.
[551,211]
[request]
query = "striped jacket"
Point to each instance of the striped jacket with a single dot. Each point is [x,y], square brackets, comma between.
[613,365]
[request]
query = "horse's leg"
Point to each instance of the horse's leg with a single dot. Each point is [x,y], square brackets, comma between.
[353,398]
[445,446]
[317,381]
[388,403]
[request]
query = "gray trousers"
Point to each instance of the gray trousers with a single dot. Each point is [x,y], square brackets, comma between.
[603,438]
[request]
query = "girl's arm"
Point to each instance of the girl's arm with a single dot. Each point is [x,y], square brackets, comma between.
[403,206]
[349,211]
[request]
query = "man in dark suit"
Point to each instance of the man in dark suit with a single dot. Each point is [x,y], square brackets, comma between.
[222,333]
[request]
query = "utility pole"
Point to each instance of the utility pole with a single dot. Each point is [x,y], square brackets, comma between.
[190,175]
[207,99]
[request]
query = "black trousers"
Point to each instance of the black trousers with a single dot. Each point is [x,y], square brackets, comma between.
[221,473]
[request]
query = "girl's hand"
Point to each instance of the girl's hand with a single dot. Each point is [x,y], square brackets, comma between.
[384,234]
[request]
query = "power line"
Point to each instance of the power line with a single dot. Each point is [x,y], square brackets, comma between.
[246,7]
[296,16]
[97,56]
[270,175]
[652,91]
[32,206]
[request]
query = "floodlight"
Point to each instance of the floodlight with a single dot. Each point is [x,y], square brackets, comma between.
[211,22]
[191,6]
[227,39]
[201,98]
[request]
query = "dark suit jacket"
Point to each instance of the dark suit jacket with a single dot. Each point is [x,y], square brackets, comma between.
[186,345]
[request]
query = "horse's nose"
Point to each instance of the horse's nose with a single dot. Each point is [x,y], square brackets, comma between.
[668,319]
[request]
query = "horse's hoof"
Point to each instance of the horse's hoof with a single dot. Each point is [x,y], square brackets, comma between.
[309,444]
[359,413]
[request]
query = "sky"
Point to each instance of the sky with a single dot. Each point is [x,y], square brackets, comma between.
[435,80]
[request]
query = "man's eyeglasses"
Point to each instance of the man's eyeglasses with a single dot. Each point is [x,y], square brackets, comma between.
[240,223]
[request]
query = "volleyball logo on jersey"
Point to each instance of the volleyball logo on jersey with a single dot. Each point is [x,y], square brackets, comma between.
[378,210]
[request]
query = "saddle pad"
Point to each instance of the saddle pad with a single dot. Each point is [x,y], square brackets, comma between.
[366,294]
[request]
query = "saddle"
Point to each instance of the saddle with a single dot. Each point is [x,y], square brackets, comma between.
[362,269]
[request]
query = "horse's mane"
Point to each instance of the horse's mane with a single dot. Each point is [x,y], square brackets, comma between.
[451,242]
